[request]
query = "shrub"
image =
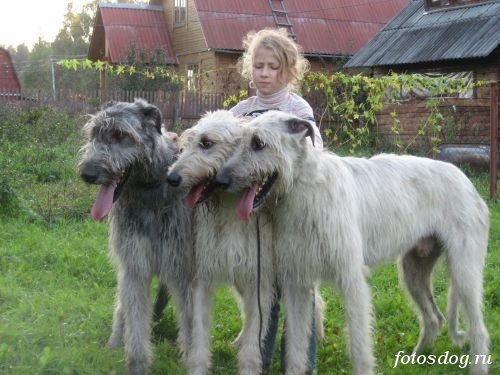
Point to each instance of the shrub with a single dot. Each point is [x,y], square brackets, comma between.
[37,164]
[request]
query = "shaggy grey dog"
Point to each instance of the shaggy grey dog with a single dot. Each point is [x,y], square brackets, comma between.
[335,215]
[150,229]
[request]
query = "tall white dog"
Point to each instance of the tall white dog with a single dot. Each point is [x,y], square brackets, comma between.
[225,248]
[334,215]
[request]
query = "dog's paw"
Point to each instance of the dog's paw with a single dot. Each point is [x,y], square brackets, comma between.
[114,342]
[459,338]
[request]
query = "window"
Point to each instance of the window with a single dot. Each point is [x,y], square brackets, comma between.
[438,4]
[193,71]
[180,10]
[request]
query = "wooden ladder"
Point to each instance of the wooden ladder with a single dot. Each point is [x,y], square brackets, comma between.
[280,15]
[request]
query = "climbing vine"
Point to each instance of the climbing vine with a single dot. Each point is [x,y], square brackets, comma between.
[149,72]
[349,105]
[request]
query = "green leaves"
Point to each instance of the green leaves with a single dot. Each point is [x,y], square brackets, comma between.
[149,73]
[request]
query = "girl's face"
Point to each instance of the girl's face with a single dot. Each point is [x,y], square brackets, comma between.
[266,72]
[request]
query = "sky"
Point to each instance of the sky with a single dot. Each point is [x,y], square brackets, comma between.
[24,21]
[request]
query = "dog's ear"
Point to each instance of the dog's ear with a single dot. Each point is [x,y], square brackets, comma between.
[151,113]
[299,126]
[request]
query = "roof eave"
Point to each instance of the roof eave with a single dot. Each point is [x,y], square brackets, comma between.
[306,54]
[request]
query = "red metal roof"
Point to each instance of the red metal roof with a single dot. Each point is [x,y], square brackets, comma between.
[126,25]
[322,27]
[8,76]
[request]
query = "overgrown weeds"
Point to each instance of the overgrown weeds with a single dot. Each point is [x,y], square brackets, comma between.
[37,165]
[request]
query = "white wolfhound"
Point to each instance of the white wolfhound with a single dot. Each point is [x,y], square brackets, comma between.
[334,215]
[226,249]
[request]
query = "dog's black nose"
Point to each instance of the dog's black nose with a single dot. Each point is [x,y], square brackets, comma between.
[174,179]
[222,180]
[89,175]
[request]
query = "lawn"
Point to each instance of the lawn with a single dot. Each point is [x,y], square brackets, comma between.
[57,293]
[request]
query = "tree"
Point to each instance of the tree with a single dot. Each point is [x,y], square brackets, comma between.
[20,56]
[37,71]
[73,41]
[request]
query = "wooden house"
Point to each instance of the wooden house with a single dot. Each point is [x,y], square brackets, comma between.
[9,82]
[122,28]
[442,37]
[204,38]
[207,35]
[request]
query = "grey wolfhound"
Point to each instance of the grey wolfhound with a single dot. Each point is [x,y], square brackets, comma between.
[150,229]
[226,249]
[334,215]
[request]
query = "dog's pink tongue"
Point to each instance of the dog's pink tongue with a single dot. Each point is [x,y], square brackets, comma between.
[245,205]
[194,196]
[103,202]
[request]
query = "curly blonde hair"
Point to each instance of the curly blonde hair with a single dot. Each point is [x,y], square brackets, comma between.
[287,52]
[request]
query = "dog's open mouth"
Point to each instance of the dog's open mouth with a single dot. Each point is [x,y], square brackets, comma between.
[254,197]
[108,194]
[200,193]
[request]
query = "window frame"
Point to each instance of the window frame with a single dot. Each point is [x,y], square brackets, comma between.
[180,12]
[193,77]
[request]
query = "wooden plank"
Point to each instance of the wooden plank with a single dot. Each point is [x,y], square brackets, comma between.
[494,139]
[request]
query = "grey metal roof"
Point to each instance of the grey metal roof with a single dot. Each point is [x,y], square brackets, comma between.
[416,36]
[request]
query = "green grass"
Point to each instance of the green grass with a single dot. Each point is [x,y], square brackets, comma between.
[57,293]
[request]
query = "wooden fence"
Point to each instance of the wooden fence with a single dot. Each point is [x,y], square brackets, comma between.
[174,105]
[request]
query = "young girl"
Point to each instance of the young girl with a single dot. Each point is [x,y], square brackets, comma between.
[274,65]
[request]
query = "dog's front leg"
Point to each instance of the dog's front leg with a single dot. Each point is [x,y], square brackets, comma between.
[199,354]
[298,325]
[256,325]
[116,338]
[182,295]
[136,309]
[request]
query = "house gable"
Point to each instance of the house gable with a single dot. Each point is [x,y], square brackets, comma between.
[120,27]
[187,36]
[8,76]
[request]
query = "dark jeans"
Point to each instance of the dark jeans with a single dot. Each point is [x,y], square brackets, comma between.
[270,338]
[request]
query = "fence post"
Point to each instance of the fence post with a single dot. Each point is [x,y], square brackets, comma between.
[102,85]
[494,139]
